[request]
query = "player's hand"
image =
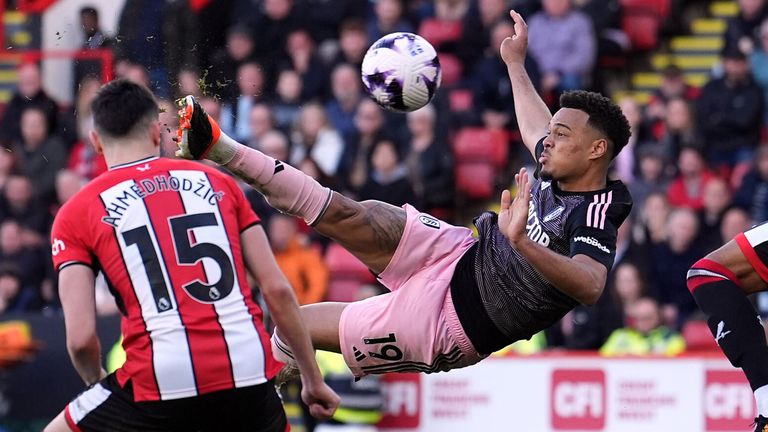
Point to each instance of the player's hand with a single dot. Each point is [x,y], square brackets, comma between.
[321,400]
[513,48]
[514,213]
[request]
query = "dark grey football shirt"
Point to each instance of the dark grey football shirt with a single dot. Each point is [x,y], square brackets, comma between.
[515,301]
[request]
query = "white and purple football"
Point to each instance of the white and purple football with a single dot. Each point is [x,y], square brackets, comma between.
[401,72]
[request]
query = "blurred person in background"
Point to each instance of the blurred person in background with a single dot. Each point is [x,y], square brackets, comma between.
[758,62]
[83,157]
[29,93]
[563,42]
[387,18]
[303,58]
[752,194]
[68,183]
[716,199]
[388,178]
[315,138]
[652,176]
[260,121]
[476,31]
[93,38]
[41,153]
[301,263]
[670,261]
[369,127]
[212,106]
[624,165]
[680,129]
[251,84]
[673,86]
[31,262]
[492,91]
[346,93]
[286,105]
[652,220]
[275,20]
[225,62]
[730,112]
[735,220]
[687,189]
[430,164]
[353,43]
[644,334]
[8,166]
[18,203]
[14,297]
[189,81]
[742,31]
[322,17]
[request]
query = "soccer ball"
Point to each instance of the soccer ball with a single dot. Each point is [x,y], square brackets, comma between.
[401,72]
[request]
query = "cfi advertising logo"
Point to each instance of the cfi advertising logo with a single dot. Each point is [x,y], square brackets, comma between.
[578,399]
[402,401]
[728,401]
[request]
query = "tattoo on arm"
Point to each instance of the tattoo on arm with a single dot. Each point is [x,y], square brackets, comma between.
[387,223]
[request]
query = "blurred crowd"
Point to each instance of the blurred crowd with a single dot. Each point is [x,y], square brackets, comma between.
[283,76]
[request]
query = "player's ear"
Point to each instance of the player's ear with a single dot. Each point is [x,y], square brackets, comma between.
[600,147]
[96,142]
[154,132]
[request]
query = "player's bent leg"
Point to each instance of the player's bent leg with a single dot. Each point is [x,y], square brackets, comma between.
[720,284]
[370,230]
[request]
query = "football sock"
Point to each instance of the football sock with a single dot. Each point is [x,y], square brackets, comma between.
[734,322]
[285,188]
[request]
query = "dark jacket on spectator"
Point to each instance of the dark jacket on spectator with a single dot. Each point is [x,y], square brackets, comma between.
[752,196]
[10,125]
[730,117]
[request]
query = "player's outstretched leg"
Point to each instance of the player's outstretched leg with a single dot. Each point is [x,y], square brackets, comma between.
[371,230]
[720,284]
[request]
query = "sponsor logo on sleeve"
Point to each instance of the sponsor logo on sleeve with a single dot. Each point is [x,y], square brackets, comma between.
[429,221]
[592,242]
[57,246]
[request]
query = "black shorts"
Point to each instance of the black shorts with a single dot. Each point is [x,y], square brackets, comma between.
[108,407]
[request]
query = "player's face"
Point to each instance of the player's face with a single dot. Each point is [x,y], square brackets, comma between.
[568,146]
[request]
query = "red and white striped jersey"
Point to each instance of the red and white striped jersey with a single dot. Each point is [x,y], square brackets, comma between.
[166,235]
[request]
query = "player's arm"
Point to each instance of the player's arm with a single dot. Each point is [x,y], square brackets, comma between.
[581,277]
[532,113]
[284,308]
[78,300]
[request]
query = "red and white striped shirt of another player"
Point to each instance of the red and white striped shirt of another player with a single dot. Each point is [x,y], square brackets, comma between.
[166,235]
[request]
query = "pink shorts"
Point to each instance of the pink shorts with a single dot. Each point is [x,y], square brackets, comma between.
[414,328]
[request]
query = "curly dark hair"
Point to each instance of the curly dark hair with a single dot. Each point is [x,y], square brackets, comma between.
[604,115]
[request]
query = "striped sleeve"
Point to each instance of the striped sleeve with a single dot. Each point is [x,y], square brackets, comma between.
[593,226]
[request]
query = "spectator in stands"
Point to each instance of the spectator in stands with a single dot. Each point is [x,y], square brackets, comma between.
[347,93]
[189,82]
[287,103]
[687,189]
[32,265]
[680,129]
[628,286]
[8,166]
[353,43]
[301,263]
[430,165]
[369,126]
[752,195]
[716,199]
[211,105]
[274,22]
[652,223]
[13,296]
[251,84]
[19,204]
[322,17]
[83,158]
[68,183]
[730,112]
[492,90]
[670,262]
[303,58]
[735,221]
[624,163]
[93,38]
[137,73]
[387,18]
[41,154]
[673,86]
[388,180]
[476,35]
[316,139]
[742,30]
[644,334]
[225,62]
[260,121]
[29,93]
[562,40]
[758,62]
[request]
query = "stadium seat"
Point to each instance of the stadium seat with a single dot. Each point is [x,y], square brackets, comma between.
[473,144]
[451,67]
[460,100]
[642,28]
[475,180]
[438,32]
[698,337]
